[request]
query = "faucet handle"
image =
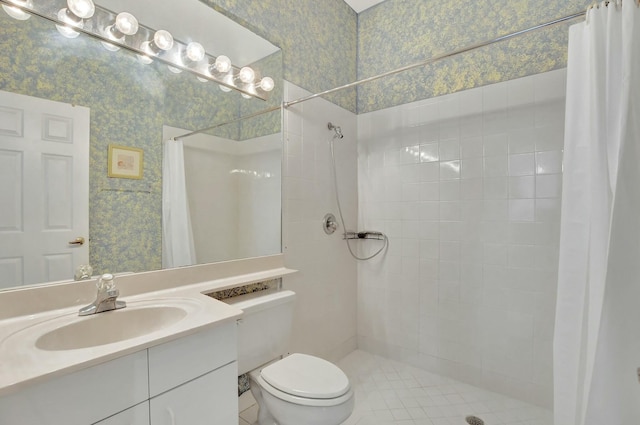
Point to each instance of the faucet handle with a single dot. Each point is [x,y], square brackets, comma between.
[83,272]
[106,283]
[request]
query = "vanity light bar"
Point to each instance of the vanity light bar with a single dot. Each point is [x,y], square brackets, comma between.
[150,45]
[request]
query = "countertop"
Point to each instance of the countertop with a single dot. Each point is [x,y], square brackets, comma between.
[22,363]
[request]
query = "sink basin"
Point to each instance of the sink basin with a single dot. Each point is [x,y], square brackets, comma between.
[111,326]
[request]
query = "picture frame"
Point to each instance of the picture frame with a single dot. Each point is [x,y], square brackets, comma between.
[125,162]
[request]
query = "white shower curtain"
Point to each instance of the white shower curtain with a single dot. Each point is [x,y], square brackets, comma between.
[597,331]
[177,238]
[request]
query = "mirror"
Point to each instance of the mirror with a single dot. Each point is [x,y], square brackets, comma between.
[115,100]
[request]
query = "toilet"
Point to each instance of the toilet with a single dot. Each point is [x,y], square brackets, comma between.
[292,390]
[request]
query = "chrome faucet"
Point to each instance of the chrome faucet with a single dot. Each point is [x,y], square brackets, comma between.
[106,299]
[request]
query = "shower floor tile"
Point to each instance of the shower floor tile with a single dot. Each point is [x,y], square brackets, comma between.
[393,393]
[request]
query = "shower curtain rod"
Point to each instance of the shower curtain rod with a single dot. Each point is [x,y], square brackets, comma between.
[398,70]
[203,130]
[439,57]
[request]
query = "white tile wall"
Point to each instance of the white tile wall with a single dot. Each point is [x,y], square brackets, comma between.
[467,187]
[325,319]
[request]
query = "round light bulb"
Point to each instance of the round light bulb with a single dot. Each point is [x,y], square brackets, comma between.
[174,69]
[246,96]
[225,89]
[222,64]
[16,13]
[126,23]
[163,40]
[247,75]
[195,51]
[66,30]
[267,84]
[202,80]
[82,8]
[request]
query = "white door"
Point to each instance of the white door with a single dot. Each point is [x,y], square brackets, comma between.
[44,189]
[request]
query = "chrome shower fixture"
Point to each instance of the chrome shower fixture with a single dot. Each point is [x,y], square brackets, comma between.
[337,130]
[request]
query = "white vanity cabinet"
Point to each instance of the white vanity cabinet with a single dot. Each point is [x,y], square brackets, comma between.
[188,381]
[194,380]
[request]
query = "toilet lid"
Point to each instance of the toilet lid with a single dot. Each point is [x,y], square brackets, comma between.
[306,376]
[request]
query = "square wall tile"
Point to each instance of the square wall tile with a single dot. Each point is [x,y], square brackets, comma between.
[449,150]
[429,152]
[522,164]
[549,162]
[549,186]
[449,170]
[522,210]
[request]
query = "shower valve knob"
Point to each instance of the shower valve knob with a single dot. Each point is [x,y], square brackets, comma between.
[329,224]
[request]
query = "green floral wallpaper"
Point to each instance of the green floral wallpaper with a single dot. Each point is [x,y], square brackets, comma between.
[318,40]
[396,33]
[129,104]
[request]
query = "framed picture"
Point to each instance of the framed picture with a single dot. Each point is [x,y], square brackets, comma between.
[125,162]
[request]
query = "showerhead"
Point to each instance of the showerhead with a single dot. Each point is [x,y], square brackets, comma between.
[338,131]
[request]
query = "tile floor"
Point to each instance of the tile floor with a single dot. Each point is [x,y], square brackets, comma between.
[393,393]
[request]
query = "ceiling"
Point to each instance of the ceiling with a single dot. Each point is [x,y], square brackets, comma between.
[360,5]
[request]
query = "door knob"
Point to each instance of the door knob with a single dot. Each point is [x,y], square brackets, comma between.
[77,241]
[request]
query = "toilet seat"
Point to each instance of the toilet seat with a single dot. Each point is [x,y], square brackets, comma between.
[305,380]
[306,376]
[313,402]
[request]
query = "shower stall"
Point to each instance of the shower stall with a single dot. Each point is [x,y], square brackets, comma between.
[468,188]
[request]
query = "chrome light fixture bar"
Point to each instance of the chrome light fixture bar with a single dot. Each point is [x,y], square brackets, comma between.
[122,30]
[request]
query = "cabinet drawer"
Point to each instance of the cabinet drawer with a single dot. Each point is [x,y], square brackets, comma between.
[210,399]
[184,359]
[82,397]
[137,415]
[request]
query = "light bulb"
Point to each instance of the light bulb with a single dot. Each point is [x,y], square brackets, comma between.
[68,18]
[126,23]
[222,64]
[174,69]
[247,75]
[202,80]
[225,89]
[17,13]
[81,8]
[163,40]
[267,84]
[195,51]
[246,96]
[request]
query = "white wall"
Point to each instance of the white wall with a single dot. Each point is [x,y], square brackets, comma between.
[467,186]
[325,320]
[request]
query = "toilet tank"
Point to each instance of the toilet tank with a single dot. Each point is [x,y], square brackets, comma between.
[265,327]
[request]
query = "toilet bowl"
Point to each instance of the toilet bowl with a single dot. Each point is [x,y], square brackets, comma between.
[302,389]
[297,389]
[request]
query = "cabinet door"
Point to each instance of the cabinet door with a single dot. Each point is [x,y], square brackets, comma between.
[176,362]
[137,415]
[83,397]
[210,399]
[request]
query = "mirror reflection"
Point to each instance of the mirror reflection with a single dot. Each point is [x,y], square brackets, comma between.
[65,102]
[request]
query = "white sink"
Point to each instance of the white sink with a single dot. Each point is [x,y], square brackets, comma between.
[73,332]
[111,326]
